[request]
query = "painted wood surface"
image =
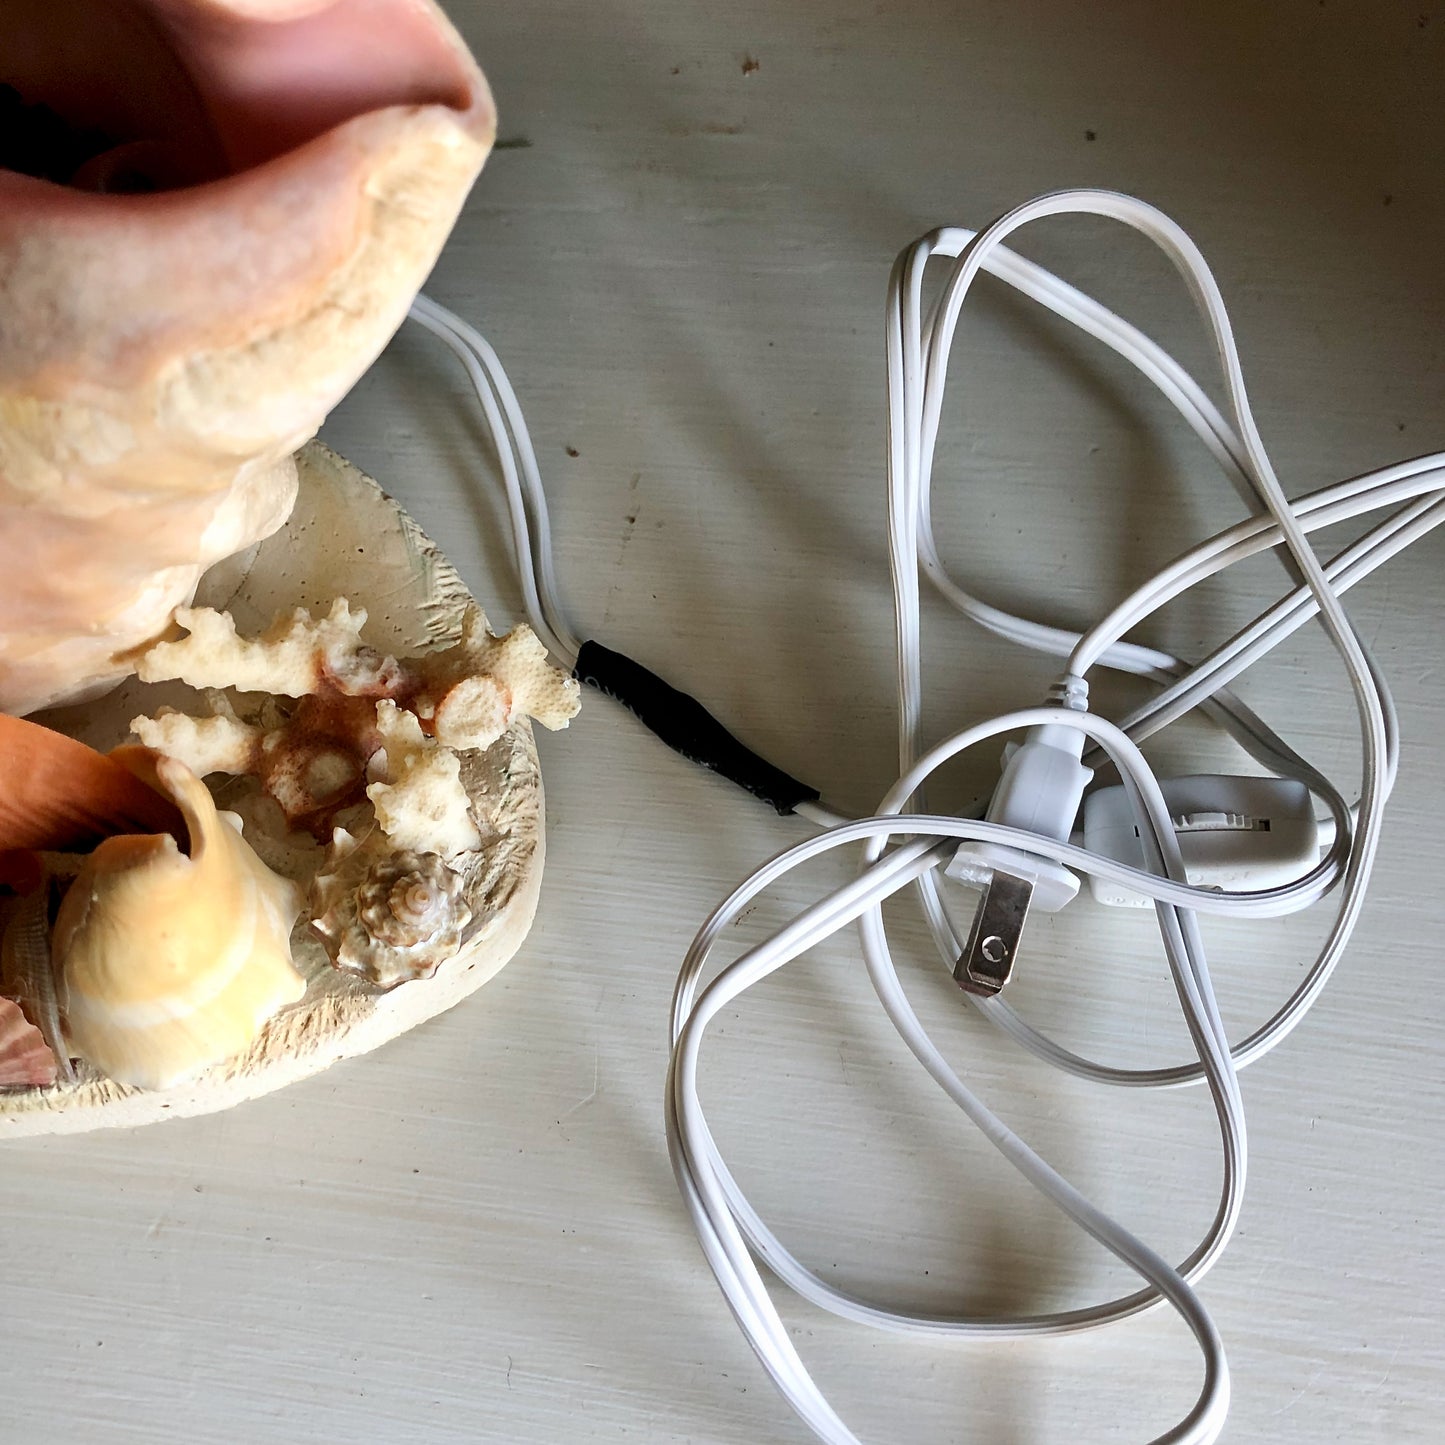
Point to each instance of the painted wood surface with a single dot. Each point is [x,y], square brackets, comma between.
[681,254]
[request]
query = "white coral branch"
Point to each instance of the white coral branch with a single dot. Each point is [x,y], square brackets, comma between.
[419,799]
[222,744]
[485,683]
[469,694]
[290,659]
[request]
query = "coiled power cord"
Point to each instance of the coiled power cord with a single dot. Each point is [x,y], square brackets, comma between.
[1026,847]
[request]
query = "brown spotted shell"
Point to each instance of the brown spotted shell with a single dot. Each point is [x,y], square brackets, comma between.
[387,916]
[408,899]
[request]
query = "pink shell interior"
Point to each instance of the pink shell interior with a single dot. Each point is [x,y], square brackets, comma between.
[198,89]
[25,1058]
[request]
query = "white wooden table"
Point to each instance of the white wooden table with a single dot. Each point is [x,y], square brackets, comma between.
[681,255]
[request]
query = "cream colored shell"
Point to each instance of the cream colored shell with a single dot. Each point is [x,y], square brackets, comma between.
[167,963]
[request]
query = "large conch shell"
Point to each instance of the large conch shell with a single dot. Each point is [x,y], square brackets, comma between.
[272,181]
[165,963]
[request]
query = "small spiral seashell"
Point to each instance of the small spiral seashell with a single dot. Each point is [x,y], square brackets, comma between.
[387,916]
[407,899]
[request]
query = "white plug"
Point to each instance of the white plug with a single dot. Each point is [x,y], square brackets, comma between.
[1040,792]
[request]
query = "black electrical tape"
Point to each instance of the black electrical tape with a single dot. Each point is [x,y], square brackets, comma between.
[686,726]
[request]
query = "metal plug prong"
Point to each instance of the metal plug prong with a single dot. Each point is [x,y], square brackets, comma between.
[993,943]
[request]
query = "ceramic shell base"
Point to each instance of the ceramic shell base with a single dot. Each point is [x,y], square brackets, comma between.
[346,538]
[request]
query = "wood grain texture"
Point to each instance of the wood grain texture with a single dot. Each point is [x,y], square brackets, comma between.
[473,1235]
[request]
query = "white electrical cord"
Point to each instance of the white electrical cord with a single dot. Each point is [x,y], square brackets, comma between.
[521,476]
[919,342]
